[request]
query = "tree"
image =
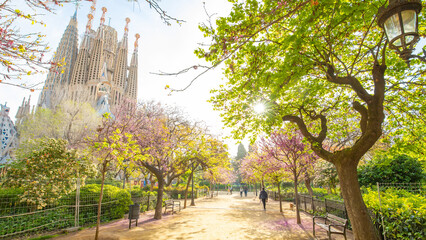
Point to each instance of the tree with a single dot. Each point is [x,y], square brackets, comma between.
[242,152]
[391,169]
[46,170]
[253,168]
[163,138]
[206,153]
[72,121]
[288,147]
[309,62]
[236,163]
[22,54]
[113,144]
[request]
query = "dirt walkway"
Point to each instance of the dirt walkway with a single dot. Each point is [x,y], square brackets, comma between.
[224,217]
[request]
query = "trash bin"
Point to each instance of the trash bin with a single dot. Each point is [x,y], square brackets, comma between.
[134,214]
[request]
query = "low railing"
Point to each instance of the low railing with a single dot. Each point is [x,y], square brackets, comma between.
[314,205]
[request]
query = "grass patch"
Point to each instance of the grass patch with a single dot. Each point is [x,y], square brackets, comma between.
[45,237]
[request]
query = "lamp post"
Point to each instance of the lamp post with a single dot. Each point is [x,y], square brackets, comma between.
[400,22]
[192,189]
[124,173]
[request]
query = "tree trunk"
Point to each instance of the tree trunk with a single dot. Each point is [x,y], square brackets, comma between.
[186,190]
[255,187]
[307,179]
[98,220]
[296,199]
[362,225]
[279,196]
[151,183]
[159,206]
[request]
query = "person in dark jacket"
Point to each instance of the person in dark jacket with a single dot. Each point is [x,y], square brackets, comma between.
[264,197]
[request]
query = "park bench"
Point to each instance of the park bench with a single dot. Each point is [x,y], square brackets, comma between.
[171,204]
[332,224]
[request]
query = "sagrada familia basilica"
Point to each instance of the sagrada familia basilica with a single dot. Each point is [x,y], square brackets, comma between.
[97,72]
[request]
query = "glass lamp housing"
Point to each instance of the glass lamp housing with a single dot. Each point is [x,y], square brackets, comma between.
[399,20]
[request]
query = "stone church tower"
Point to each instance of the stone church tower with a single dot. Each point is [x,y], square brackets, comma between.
[96,72]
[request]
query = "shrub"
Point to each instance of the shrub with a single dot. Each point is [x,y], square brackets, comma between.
[112,182]
[404,213]
[136,191]
[111,193]
[45,168]
[391,169]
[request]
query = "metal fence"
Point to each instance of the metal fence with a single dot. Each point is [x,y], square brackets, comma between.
[314,205]
[19,219]
[416,188]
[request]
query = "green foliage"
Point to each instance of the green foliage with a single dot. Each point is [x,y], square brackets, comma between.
[115,204]
[45,237]
[242,152]
[391,169]
[326,175]
[112,182]
[70,120]
[120,199]
[404,213]
[45,170]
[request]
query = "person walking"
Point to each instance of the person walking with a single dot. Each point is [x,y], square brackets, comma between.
[241,191]
[264,197]
[230,189]
[245,190]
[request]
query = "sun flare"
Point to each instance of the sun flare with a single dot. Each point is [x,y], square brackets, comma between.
[259,108]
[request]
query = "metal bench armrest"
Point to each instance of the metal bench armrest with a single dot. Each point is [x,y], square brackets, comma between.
[318,217]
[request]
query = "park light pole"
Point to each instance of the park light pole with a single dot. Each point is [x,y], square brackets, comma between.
[192,189]
[400,22]
[125,173]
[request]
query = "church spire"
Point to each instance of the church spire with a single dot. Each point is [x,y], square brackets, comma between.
[60,76]
[96,54]
[90,17]
[126,28]
[132,81]
[104,10]
[74,17]
[120,69]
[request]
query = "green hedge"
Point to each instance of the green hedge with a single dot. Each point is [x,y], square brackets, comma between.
[404,213]
[119,201]
[63,215]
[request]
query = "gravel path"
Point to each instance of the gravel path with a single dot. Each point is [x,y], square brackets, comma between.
[223,217]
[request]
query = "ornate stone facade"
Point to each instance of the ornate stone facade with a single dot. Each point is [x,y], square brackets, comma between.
[96,72]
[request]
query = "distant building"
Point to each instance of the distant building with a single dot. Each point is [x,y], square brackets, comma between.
[23,112]
[8,135]
[96,72]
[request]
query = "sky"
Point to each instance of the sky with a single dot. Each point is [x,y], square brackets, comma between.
[161,48]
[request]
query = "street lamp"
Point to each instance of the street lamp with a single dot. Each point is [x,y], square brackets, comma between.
[399,19]
[125,172]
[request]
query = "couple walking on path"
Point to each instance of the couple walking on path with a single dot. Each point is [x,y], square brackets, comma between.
[243,189]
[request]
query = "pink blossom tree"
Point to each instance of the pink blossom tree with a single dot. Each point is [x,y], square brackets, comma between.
[289,148]
[164,139]
[260,166]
